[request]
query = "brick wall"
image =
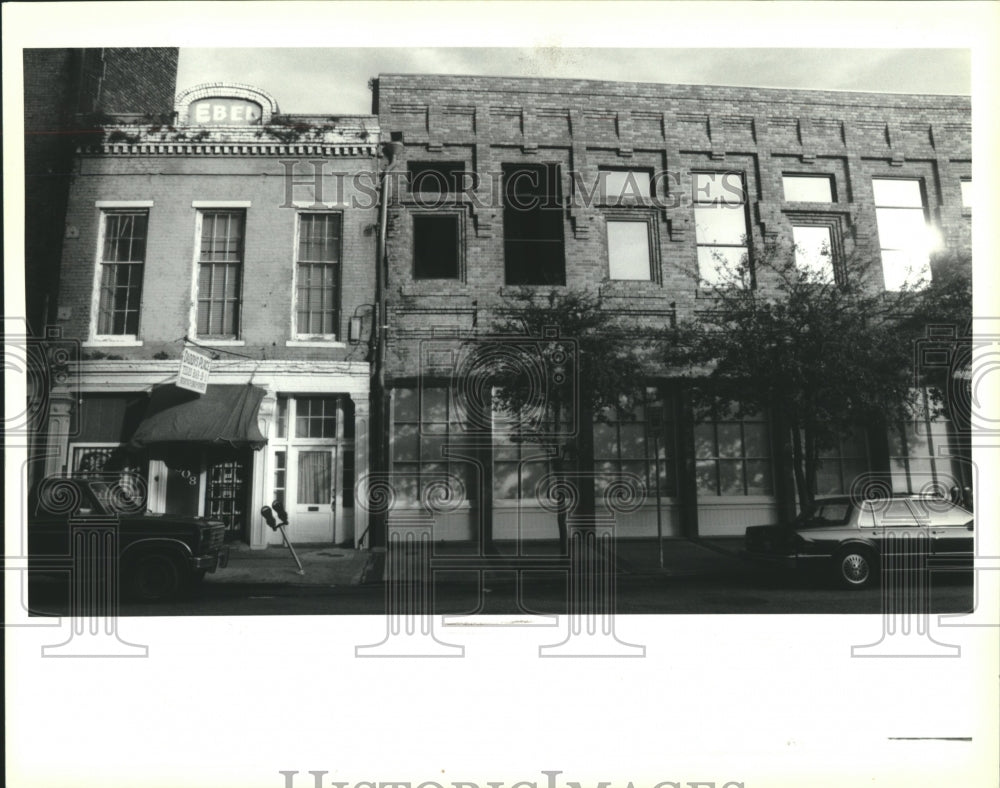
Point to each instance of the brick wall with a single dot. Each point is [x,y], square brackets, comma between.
[585,126]
[59,83]
[173,183]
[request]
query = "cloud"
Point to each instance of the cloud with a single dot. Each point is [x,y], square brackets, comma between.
[335,80]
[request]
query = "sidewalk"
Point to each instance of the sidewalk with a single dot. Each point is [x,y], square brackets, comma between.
[326,565]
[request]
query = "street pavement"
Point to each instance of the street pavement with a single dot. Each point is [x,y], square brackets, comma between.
[323,565]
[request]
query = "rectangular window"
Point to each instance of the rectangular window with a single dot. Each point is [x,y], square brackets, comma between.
[317,275]
[839,466]
[436,177]
[533,225]
[123,258]
[623,186]
[315,417]
[813,250]
[904,240]
[640,443]
[720,226]
[424,423]
[732,456]
[919,451]
[966,192]
[807,188]
[280,476]
[435,246]
[220,274]
[628,250]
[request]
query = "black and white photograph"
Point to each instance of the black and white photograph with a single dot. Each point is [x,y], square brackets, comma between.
[367,361]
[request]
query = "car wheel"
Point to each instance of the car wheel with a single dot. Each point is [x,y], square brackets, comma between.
[856,568]
[154,577]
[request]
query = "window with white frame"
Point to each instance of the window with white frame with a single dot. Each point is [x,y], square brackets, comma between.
[720,225]
[317,302]
[220,273]
[624,186]
[123,258]
[904,237]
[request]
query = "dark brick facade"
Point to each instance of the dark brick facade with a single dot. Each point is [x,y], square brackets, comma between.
[62,87]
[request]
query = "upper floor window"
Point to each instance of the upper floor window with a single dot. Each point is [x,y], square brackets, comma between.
[720,225]
[629,250]
[317,275]
[966,192]
[623,186]
[813,249]
[123,256]
[904,240]
[437,177]
[220,273]
[807,188]
[533,225]
[436,246]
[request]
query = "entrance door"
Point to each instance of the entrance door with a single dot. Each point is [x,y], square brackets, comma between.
[312,492]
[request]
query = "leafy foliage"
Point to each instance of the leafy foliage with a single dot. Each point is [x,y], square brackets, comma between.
[823,351]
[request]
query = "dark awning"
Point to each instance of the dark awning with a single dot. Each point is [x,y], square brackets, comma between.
[224,415]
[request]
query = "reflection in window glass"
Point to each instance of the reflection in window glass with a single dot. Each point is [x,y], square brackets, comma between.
[903,233]
[813,250]
[732,457]
[720,225]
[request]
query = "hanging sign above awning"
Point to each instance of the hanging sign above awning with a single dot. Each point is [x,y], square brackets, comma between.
[194,371]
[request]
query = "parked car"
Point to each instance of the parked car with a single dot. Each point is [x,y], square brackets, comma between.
[854,537]
[160,556]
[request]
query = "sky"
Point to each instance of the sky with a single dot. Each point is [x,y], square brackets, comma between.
[335,80]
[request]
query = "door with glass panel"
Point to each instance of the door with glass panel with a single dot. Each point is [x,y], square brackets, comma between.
[305,466]
[312,492]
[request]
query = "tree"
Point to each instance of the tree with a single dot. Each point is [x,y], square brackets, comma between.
[824,352]
[589,360]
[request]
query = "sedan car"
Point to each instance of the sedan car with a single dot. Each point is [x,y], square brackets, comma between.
[159,556]
[857,538]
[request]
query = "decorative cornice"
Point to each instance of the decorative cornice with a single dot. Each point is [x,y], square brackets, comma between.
[215,149]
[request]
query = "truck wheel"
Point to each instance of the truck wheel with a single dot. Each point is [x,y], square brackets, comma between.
[856,567]
[154,577]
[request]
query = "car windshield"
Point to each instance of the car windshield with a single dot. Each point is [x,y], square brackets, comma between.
[825,513]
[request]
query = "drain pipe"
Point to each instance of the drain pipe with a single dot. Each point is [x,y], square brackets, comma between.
[380,406]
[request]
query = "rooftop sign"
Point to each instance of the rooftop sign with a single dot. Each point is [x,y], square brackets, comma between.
[224,104]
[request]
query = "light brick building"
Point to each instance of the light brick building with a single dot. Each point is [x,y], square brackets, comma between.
[848,171]
[247,237]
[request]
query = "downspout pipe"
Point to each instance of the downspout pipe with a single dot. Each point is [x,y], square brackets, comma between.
[380,405]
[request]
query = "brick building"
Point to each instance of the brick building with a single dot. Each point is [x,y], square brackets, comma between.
[64,89]
[242,240]
[831,171]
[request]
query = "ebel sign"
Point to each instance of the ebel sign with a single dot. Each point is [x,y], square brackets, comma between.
[224,104]
[224,112]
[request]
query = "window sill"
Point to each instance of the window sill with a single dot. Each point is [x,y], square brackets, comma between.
[100,341]
[208,342]
[330,343]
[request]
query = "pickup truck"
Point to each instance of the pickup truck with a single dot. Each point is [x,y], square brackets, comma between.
[159,556]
